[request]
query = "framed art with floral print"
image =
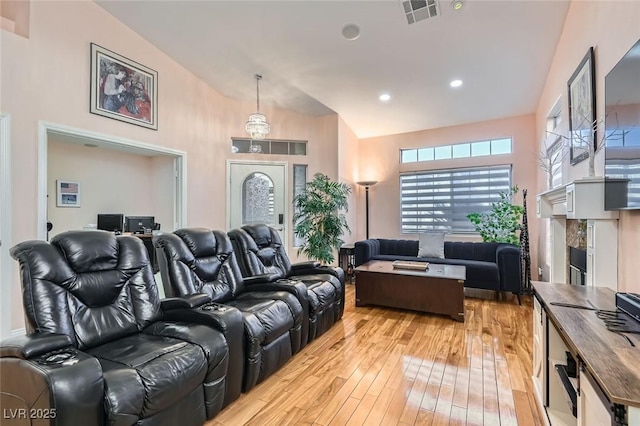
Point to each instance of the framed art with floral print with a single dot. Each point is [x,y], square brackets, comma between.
[123,89]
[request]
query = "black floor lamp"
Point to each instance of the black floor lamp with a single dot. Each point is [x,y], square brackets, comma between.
[367,184]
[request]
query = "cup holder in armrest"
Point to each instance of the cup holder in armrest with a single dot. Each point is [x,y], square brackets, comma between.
[215,307]
[61,357]
[287,281]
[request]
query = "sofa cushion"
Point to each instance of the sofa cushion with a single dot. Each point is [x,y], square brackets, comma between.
[399,247]
[431,244]
[144,374]
[480,274]
[471,251]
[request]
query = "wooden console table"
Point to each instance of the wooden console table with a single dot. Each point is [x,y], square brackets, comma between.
[607,387]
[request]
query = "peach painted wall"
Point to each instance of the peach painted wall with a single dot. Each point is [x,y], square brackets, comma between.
[380,160]
[611,28]
[46,78]
[348,144]
[14,16]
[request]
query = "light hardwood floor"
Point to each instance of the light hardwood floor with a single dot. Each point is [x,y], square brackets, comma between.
[388,366]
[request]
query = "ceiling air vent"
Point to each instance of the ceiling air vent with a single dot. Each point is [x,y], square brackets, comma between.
[419,10]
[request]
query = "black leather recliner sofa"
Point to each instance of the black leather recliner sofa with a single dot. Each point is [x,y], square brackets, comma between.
[260,251]
[198,262]
[100,348]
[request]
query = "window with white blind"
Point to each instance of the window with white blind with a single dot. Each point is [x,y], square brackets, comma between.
[440,200]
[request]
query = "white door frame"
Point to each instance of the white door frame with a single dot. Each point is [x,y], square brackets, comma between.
[6,265]
[287,198]
[107,141]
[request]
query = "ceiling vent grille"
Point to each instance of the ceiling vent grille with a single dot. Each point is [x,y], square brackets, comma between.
[419,10]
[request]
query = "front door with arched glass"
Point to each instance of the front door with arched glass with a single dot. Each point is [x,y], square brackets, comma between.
[257,194]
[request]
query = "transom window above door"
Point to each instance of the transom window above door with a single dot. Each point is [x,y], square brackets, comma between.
[268,146]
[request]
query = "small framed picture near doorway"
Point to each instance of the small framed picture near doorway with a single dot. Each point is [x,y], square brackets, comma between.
[68,193]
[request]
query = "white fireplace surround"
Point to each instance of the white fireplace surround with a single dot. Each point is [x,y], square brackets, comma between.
[581,199]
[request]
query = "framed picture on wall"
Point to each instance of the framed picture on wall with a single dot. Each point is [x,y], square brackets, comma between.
[582,108]
[123,89]
[68,193]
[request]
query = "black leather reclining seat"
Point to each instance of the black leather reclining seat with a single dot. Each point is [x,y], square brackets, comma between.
[197,261]
[260,251]
[97,349]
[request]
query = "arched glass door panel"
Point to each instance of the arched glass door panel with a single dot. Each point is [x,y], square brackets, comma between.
[257,199]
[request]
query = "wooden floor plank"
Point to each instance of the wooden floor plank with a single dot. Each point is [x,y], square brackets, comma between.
[415,395]
[523,410]
[505,395]
[379,407]
[395,367]
[362,411]
[342,417]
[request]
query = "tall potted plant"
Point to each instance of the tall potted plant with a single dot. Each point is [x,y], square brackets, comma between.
[502,222]
[319,219]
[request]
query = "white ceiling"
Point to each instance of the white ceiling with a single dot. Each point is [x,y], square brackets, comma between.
[502,50]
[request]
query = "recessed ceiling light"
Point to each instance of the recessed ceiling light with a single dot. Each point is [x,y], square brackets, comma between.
[384,97]
[351,31]
[456,83]
[457,4]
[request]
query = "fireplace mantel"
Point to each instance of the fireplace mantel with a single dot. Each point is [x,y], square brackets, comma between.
[580,199]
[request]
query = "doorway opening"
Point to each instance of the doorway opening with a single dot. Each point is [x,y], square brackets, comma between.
[170,171]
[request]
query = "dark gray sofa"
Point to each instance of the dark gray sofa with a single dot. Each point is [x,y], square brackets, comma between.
[490,266]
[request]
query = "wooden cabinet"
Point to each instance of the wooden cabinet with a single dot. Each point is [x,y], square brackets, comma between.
[593,407]
[562,391]
[606,390]
[539,350]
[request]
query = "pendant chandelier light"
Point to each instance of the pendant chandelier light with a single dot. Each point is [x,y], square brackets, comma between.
[257,125]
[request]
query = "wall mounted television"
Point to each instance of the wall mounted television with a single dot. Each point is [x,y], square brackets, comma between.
[622,132]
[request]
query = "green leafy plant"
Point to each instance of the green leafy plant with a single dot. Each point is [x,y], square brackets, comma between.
[502,222]
[319,217]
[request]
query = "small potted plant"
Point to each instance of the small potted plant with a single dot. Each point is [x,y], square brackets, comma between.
[319,218]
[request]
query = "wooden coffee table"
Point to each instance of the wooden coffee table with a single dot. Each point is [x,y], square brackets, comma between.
[438,290]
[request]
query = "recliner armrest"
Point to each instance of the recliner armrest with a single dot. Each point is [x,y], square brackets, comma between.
[304,265]
[64,384]
[336,271]
[184,302]
[260,279]
[228,320]
[31,346]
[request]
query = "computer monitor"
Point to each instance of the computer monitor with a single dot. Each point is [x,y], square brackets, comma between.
[111,222]
[139,224]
